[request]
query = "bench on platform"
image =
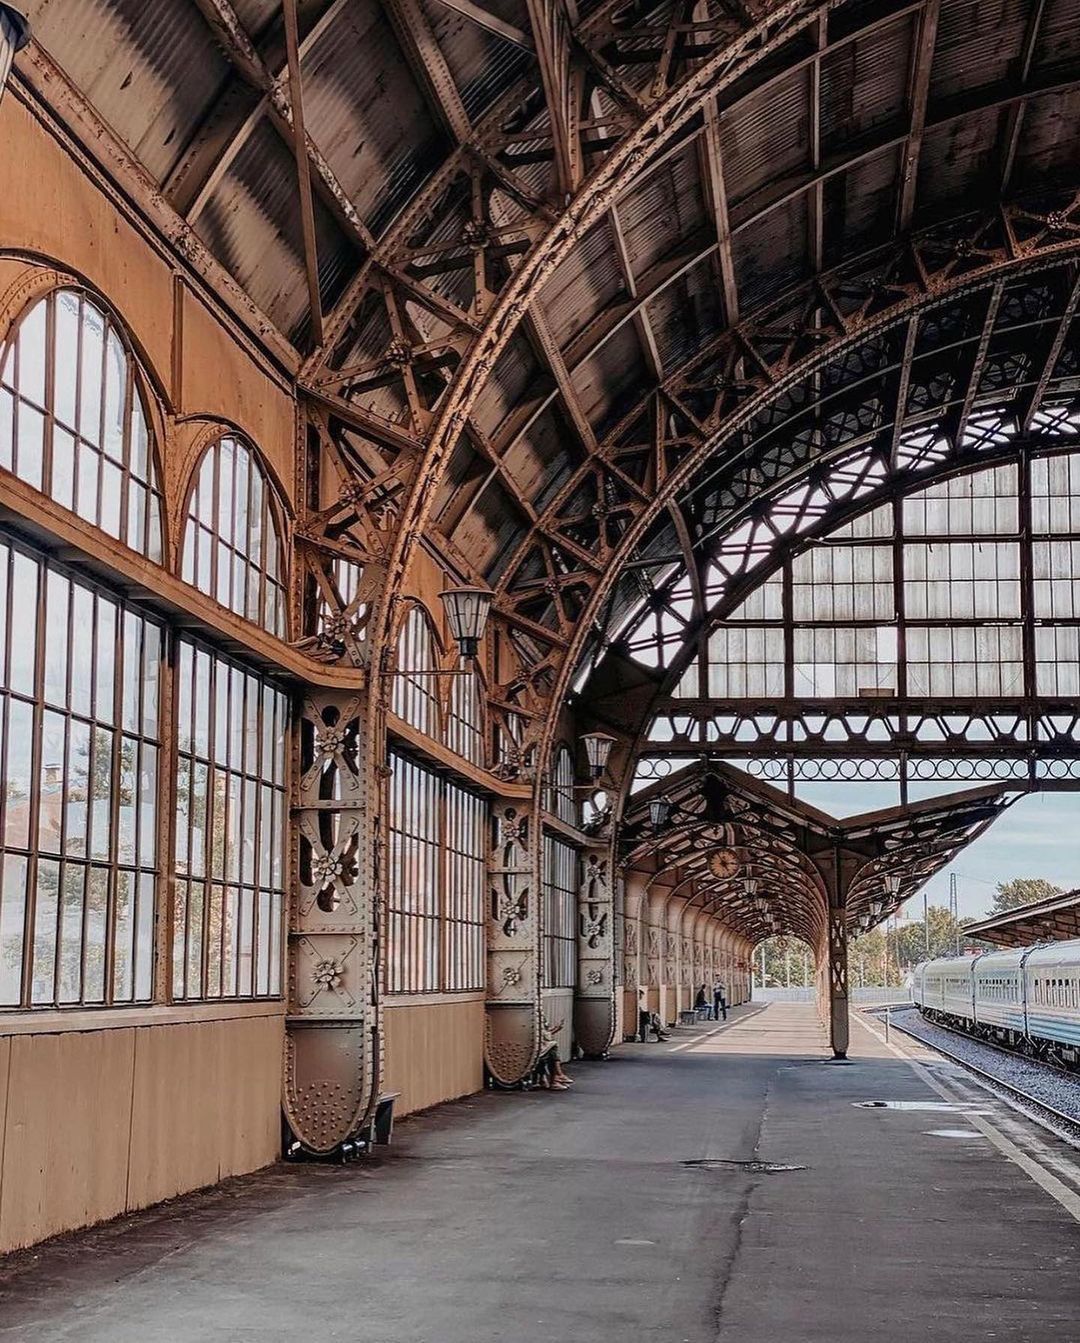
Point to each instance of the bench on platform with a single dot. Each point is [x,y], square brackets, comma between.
[688,1017]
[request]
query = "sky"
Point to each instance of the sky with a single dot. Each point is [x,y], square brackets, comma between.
[1038,836]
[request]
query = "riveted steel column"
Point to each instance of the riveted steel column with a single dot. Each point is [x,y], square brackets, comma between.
[513,943]
[332,1043]
[594,995]
[836,876]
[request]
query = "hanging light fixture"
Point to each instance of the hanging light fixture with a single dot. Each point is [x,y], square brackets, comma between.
[876,907]
[14,35]
[467,611]
[659,812]
[597,749]
[749,885]
[892,883]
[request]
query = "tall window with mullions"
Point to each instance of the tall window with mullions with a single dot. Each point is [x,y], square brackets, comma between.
[434,938]
[560,882]
[79,720]
[230,823]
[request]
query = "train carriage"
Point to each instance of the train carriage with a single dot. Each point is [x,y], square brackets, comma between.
[1029,997]
[947,987]
[1052,995]
[999,994]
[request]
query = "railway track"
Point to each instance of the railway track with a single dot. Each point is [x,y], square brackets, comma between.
[1064,1123]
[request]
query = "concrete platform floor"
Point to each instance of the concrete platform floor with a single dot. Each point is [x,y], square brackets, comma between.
[542,1218]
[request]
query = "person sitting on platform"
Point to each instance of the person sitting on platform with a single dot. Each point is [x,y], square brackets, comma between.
[701,1003]
[649,1021]
[549,1070]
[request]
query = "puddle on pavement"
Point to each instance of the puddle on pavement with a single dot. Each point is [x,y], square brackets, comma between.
[754,1167]
[937,1107]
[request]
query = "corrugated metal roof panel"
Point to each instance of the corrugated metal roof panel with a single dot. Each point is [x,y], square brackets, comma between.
[864,83]
[688,314]
[977,44]
[257,15]
[667,207]
[771,254]
[583,285]
[483,65]
[368,116]
[860,206]
[151,70]
[1059,36]
[516,372]
[956,160]
[253,226]
[766,136]
[1049,148]
[607,382]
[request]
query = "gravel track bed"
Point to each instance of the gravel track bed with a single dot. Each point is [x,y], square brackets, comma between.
[1041,1083]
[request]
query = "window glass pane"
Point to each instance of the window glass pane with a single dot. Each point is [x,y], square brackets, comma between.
[437,874]
[76,795]
[224,782]
[225,553]
[77,367]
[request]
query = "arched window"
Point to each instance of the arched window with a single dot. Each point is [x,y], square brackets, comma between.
[561,800]
[465,723]
[232,547]
[73,422]
[415,699]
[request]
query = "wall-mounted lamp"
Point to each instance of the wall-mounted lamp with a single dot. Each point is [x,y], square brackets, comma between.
[597,749]
[14,35]
[467,611]
[659,812]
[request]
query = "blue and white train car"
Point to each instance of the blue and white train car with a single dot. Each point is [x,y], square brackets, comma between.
[946,986]
[999,993]
[1029,997]
[1052,993]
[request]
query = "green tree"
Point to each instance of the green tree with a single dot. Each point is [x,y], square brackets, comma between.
[1021,891]
[868,961]
[908,943]
[789,963]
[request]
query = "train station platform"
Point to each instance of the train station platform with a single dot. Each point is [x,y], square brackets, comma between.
[621,1210]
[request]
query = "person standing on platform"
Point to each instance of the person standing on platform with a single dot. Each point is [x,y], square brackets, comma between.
[719,1001]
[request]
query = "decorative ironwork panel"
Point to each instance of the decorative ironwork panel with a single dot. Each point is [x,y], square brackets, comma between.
[513,945]
[332,1057]
[594,1005]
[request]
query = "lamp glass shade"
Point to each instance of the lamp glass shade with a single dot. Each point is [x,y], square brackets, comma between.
[876,906]
[749,885]
[597,749]
[892,882]
[659,811]
[467,611]
[14,35]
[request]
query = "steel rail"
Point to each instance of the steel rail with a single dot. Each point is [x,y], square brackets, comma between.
[1072,1120]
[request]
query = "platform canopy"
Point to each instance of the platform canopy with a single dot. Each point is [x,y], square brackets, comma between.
[1056,919]
[761,861]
